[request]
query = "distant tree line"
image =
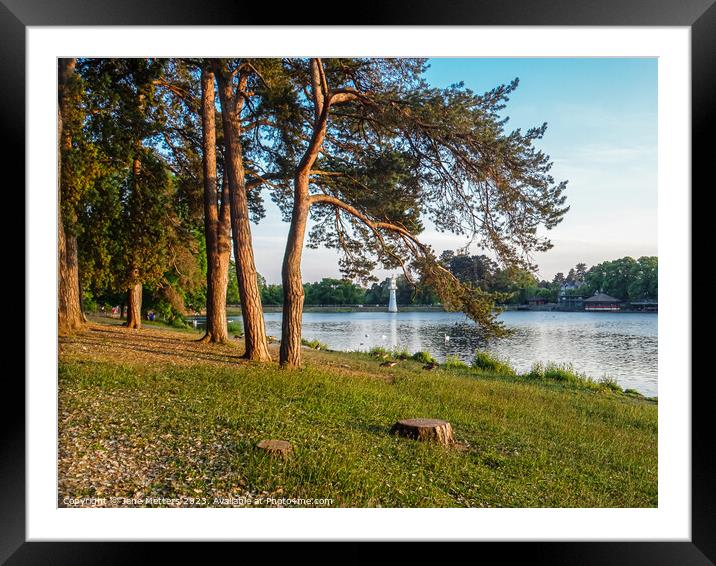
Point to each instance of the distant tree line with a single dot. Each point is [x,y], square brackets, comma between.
[627,279]
[331,291]
[328,291]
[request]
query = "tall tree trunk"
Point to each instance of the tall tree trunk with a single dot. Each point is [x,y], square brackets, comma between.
[134,306]
[251,308]
[216,224]
[69,311]
[79,282]
[134,289]
[70,317]
[291,323]
[217,323]
[217,276]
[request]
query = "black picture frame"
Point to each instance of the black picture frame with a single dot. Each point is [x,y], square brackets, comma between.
[699,15]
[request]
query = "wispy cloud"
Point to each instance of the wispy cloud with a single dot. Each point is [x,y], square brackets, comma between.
[591,156]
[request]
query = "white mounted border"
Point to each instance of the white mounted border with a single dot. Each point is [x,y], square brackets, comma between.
[670,521]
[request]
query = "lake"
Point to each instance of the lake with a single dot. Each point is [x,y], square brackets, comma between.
[620,345]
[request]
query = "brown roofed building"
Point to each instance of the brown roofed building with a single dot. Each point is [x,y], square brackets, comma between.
[601,302]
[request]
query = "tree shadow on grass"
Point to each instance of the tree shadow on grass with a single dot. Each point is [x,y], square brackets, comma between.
[117,344]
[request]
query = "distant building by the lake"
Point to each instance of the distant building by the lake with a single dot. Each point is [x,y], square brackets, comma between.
[647,305]
[602,302]
[569,300]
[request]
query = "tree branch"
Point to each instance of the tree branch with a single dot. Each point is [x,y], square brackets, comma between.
[374,226]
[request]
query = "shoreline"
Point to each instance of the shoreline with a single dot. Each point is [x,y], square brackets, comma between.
[521,364]
[234,310]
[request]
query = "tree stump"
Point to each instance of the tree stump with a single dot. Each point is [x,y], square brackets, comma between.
[425,429]
[276,447]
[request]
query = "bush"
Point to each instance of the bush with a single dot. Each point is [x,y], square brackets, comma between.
[315,344]
[424,358]
[610,383]
[565,373]
[453,362]
[164,311]
[556,372]
[89,304]
[178,322]
[632,393]
[491,364]
[235,327]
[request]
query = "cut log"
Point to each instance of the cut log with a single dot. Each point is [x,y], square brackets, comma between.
[425,429]
[276,447]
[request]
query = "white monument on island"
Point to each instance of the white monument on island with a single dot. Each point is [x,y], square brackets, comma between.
[393,304]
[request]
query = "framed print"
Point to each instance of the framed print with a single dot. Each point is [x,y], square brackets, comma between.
[388,281]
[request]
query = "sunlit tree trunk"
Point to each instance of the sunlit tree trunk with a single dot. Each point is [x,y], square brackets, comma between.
[134,306]
[291,324]
[216,222]
[69,311]
[251,308]
[134,291]
[293,294]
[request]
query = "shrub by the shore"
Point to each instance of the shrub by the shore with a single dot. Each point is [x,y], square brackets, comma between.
[565,373]
[491,364]
[400,354]
[379,352]
[454,362]
[424,358]
[315,344]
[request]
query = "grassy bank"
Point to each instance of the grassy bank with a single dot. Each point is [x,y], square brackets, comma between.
[156,414]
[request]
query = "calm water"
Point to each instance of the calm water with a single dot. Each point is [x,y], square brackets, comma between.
[622,346]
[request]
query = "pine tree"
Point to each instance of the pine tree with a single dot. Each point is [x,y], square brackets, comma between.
[379,150]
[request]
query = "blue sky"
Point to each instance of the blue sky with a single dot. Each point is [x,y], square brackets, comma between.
[601,136]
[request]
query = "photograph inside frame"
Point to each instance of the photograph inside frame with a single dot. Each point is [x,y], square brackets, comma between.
[357,282]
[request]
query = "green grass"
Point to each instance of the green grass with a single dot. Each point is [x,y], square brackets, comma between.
[400,354]
[424,358]
[491,364]
[315,344]
[380,352]
[394,354]
[235,328]
[192,431]
[565,373]
[454,362]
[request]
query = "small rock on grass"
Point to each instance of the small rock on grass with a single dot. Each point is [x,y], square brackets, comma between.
[276,447]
